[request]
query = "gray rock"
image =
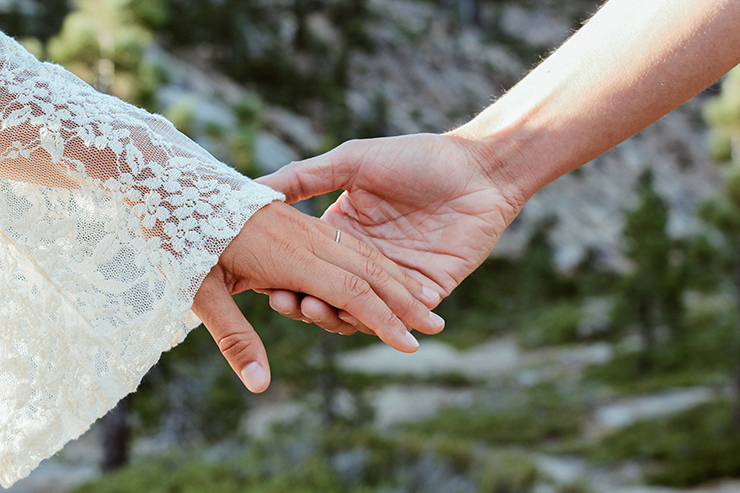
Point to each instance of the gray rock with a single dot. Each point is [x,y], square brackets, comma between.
[207,113]
[409,403]
[629,410]
[595,314]
[55,476]
[295,129]
[493,358]
[431,475]
[537,28]
[589,205]
[350,465]
[260,420]
[323,29]
[271,153]
[562,470]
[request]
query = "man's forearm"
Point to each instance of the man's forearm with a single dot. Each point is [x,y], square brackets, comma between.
[632,63]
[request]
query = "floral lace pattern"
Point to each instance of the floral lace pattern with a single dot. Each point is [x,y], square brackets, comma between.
[109,221]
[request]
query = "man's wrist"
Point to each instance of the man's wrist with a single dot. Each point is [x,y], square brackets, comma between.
[508,157]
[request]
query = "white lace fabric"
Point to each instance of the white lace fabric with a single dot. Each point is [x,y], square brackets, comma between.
[109,221]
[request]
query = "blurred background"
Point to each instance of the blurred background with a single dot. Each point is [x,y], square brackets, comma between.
[598,350]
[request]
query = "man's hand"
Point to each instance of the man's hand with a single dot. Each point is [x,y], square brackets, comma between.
[425,201]
[280,248]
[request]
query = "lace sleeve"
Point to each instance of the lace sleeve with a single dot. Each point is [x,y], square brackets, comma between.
[109,221]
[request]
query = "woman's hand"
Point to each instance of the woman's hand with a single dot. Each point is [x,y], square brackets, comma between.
[281,248]
[425,201]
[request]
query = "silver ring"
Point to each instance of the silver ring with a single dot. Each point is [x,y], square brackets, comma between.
[339,235]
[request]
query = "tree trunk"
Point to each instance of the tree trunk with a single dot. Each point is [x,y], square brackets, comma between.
[645,361]
[116,436]
[735,391]
[300,12]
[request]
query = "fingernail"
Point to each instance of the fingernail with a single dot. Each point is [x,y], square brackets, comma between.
[281,312]
[254,376]
[437,321]
[411,340]
[429,293]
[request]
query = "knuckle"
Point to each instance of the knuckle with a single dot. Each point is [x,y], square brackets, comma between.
[357,287]
[350,151]
[375,271]
[367,251]
[236,346]
[388,319]
[302,179]
[408,281]
[347,146]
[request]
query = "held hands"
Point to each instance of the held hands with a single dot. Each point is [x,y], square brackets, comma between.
[427,202]
[280,248]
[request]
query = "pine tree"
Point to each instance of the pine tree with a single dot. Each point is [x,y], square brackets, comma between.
[538,280]
[650,296]
[723,115]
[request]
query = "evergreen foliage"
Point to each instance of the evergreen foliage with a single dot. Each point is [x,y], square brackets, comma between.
[689,448]
[39,19]
[103,43]
[650,297]
[543,414]
[723,115]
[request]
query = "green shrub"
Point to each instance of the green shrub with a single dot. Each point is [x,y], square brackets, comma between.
[505,471]
[689,448]
[168,475]
[181,114]
[705,354]
[578,487]
[542,415]
[622,372]
[179,475]
[388,456]
[555,324]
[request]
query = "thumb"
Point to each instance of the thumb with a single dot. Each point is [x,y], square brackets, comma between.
[235,337]
[321,174]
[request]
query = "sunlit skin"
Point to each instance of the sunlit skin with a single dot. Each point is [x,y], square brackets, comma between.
[437,204]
